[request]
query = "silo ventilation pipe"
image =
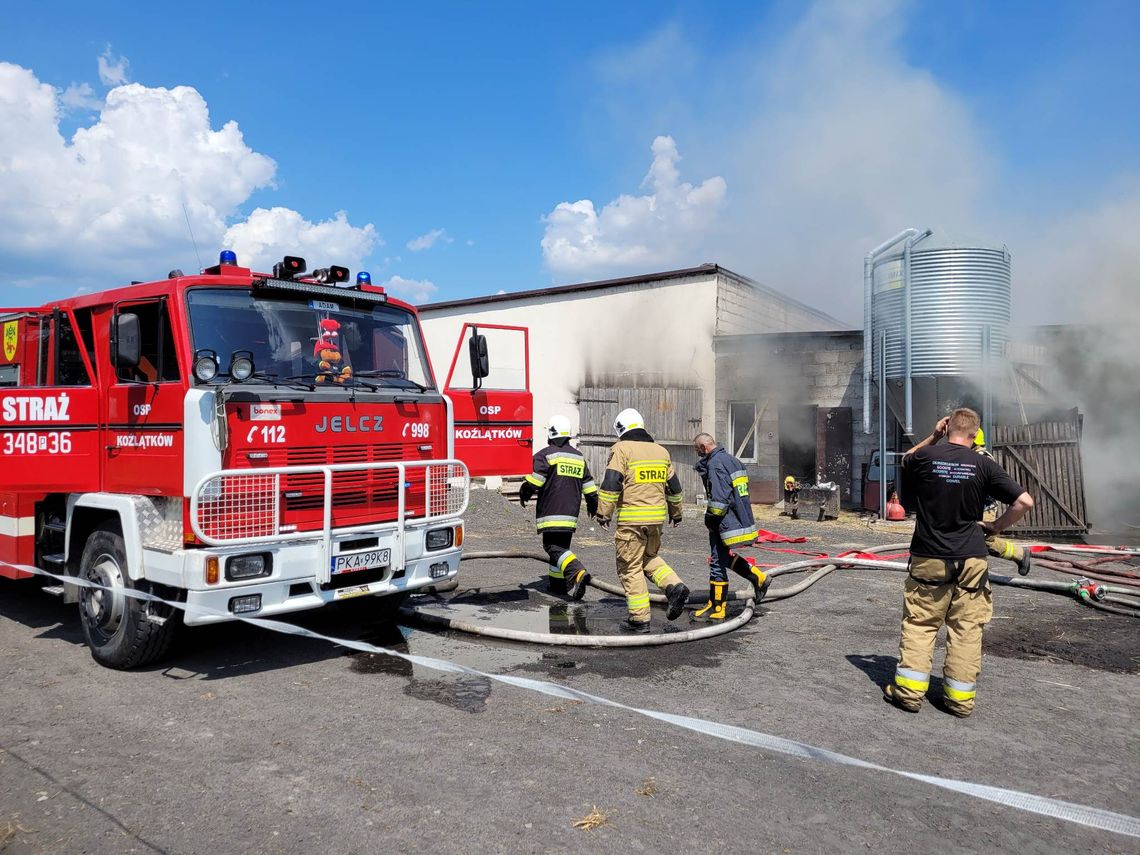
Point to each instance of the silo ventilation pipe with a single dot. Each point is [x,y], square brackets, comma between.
[908,428]
[868,345]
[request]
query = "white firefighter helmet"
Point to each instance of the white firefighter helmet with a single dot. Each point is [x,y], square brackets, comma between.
[628,419]
[559,427]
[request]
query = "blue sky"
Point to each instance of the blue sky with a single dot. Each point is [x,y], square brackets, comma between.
[797,136]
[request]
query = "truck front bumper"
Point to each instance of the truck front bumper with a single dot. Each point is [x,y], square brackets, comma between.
[285,593]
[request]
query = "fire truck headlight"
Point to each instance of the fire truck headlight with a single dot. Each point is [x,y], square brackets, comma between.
[205,365]
[241,365]
[248,566]
[438,538]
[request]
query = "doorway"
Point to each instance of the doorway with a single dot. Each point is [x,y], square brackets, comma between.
[797,426]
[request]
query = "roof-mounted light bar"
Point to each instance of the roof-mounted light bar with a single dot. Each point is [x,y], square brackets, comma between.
[327,291]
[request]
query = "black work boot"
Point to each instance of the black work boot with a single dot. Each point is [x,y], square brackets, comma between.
[678,596]
[1024,562]
[576,583]
[638,627]
[556,585]
[756,577]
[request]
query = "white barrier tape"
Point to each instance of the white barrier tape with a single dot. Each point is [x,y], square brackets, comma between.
[1103,820]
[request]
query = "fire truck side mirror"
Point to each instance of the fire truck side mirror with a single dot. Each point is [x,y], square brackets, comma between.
[480,362]
[126,347]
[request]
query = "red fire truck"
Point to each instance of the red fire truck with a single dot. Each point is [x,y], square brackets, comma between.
[235,442]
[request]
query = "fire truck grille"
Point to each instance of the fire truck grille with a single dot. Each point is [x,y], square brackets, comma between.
[366,490]
[234,507]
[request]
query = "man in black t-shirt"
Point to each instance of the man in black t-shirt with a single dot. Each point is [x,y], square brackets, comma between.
[947,485]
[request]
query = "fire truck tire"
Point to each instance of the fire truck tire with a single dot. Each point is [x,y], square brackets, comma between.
[116,626]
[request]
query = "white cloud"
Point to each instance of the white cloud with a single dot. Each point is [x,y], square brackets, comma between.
[111,201]
[830,138]
[470,242]
[80,96]
[113,70]
[429,240]
[653,230]
[270,234]
[412,290]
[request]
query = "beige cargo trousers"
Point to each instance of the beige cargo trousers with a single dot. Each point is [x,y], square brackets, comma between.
[957,593]
[637,548]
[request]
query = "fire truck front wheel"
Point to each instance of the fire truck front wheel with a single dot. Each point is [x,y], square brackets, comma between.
[116,625]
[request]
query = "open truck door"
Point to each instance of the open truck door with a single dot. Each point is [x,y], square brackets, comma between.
[489,386]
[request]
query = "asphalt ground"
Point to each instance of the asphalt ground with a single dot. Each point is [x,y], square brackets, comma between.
[252,741]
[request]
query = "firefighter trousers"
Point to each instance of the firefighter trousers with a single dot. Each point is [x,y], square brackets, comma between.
[563,563]
[637,560]
[956,593]
[998,546]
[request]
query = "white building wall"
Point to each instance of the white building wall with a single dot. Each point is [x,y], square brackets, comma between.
[649,333]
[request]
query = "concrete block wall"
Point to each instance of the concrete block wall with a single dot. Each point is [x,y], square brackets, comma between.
[744,306]
[824,369]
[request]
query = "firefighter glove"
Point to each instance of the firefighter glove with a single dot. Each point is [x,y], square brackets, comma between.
[603,521]
[592,504]
[525,493]
[712,522]
[676,521]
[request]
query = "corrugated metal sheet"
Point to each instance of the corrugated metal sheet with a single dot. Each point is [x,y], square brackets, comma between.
[956,292]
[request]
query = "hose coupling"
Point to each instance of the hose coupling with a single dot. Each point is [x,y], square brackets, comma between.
[1087,589]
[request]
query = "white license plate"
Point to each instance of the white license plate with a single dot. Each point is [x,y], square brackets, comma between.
[356,561]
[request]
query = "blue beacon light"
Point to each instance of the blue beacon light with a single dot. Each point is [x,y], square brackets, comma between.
[363,278]
[227,256]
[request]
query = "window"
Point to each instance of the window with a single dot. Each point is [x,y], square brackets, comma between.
[69,367]
[741,426]
[158,362]
[287,337]
[57,360]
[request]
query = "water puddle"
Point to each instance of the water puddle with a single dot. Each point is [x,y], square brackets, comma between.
[463,692]
[519,609]
[535,612]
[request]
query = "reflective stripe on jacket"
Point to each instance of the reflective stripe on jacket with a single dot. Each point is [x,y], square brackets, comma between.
[562,477]
[640,483]
[726,484]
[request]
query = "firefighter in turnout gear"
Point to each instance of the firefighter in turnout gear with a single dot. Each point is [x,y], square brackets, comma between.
[642,488]
[562,479]
[948,485]
[999,547]
[728,518]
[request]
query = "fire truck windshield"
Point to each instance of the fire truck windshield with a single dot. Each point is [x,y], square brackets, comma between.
[330,343]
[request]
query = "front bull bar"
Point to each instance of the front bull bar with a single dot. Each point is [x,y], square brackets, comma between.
[242,507]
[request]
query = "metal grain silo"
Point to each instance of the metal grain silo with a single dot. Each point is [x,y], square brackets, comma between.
[959,310]
[936,322]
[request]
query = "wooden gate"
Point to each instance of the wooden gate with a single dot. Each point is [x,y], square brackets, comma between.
[1045,458]
[673,418]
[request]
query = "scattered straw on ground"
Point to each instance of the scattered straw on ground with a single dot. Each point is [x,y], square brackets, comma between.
[591,820]
[648,788]
[11,828]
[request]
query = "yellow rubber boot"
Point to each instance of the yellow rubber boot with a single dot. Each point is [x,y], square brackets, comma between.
[714,610]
